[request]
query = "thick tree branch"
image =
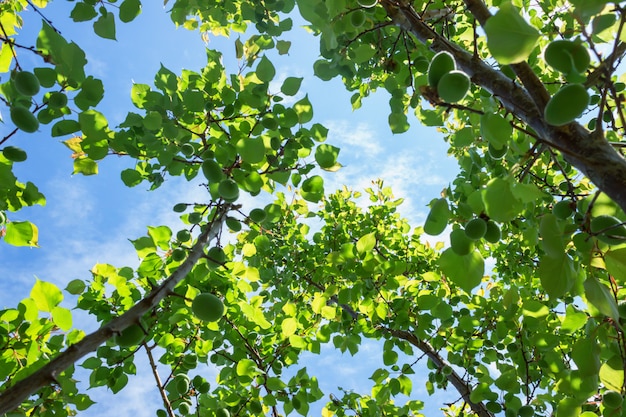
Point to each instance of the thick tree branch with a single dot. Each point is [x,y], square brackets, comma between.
[455,379]
[19,392]
[591,154]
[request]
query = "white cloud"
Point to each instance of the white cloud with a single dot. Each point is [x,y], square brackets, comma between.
[359,138]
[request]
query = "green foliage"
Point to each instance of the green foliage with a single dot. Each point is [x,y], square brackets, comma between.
[525,300]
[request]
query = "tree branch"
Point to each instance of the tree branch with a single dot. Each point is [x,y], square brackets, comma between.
[15,395]
[591,154]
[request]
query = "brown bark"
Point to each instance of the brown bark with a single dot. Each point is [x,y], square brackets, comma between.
[589,152]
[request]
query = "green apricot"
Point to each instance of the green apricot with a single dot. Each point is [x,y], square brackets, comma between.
[255,407]
[24,119]
[130,336]
[563,209]
[357,18]
[161,413]
[182,384]
[26,83]
[437,219]
[187,149]
[222,412]
[441,64]
[194,218]
[257,215]
[14,154]
[178,254]
[476,228]
[228,190]
[493,233]
[183,235]
[184,408]
[526,411]
[566,105]
[609,229]
[217,256]
[212,170]
[367,3]
[612,399]
[496,153]
[453,86]
[207,307]
[460,243]
[567,56]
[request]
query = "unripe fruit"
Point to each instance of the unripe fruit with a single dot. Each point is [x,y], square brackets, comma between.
[566,105]
[460,243]
[233,224]
[257,215]
[24,119]
[476,228]
[255,407]
[441,64]
[567,56]
[207,307]
[367,3]
[178,254]
[526,411]
[182,385]
[563,209]
[212,170]
[184,408]
[228,190]
[161,413]
[493,233]
[57,100]
[453,86]
[357,18]
[183,235]
[612,399]
[608,229]
[130,336]
[14,154]
[187,149]
[216,256]
[495,153]
[26,83]
[222,412]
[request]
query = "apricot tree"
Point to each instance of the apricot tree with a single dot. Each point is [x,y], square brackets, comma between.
[529,96]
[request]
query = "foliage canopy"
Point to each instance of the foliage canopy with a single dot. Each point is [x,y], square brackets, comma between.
[540,198]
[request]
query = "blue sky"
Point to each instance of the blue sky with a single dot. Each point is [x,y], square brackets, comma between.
[89,220]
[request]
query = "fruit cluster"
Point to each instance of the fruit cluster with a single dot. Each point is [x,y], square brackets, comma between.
[451,84]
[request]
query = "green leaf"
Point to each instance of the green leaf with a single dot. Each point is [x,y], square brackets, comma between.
[398,122]
[22,233]
[91,93]
[247,367]
[552,236]
[62,317]
[46,295]
[465,271]
[288,327]
[510,38]
[291,85]
[304,110]
[265,70]
[612,373]
[557,274]
[129,10]
[313,189]
[366,243]
[438,217]
[501,204]
[83,12]
[86,166]
[599,295]
[495,129]
[574,320]
[616,264]
[586,355]
[131,177]
[105,25]
[326,156]
[65,127]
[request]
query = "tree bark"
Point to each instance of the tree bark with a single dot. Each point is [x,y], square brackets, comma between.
[588,151]
[20,391]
